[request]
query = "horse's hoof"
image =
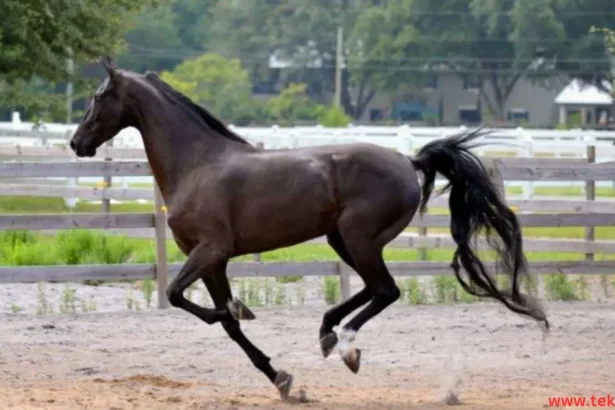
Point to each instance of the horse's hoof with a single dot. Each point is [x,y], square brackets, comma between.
[353,359]
[239,310]
[328,343]
[284,382]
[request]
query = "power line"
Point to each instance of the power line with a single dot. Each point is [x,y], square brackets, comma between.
[168,54]
[411,68]
[441,13]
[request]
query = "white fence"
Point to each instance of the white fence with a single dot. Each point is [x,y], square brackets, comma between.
[517,142]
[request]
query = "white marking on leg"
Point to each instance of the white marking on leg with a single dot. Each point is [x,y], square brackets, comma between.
[345,338]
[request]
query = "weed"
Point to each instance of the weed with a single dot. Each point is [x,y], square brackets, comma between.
[130,301]
[147,287]
[88,306]
[67,302]
[43,307]
[331,289]
[559,287]
[415,294]
[604,283]
[15,308]
[445,289]
[300,294]
[243,290]
[268,291]
[279,298]
[253,298]
[465,297]
[581,283]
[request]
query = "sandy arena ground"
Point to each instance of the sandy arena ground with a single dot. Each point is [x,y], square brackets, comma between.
[412,357]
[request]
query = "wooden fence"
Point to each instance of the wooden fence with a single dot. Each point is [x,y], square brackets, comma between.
[587,213]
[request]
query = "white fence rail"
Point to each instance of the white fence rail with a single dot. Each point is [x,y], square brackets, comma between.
[519,142]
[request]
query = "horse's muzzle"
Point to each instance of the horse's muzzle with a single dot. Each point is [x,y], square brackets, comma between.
[82,150]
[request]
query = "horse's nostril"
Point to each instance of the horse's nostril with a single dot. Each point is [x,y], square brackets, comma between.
[72,144]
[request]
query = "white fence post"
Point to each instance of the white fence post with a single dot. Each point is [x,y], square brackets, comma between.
[406,140]
[71,182]
[528,144]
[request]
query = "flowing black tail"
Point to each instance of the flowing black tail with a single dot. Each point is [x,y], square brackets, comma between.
[476,207]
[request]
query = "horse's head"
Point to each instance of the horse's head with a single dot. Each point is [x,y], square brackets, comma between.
[107,114]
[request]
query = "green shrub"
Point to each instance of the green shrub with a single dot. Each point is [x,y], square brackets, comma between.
[334,116]
[559,287]
[331,289]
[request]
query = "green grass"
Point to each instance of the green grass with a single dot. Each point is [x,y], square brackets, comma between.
[563,191]
[25,204]
[18,248]
[49,205]
[76,247]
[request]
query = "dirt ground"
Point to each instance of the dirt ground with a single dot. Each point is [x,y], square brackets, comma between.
[413,357]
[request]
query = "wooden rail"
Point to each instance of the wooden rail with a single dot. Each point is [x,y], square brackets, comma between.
[588,213]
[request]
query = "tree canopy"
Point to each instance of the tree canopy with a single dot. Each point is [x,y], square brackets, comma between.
[37,37]
[388,45]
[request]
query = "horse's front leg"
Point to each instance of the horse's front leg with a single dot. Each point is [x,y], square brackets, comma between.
[201,263]
[220,290]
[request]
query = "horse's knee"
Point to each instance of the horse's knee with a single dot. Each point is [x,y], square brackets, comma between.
[174,295]
[389,293]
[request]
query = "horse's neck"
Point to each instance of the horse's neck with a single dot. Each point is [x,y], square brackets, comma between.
[173,147]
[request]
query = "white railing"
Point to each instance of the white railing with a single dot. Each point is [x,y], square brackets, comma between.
[517,142]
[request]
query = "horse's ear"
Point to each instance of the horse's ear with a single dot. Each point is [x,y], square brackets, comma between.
[110,66]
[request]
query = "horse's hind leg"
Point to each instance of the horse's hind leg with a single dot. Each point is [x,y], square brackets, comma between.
[334,316]
[220,289]
[365,243]
[385,292]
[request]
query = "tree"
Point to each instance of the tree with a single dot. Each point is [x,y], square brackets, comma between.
[301,35]
[38,37]
[194,19]
[377,48]
[220,84]
[249,30]
[293,104]
[153,41]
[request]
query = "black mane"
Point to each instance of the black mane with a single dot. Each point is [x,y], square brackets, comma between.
[197,112]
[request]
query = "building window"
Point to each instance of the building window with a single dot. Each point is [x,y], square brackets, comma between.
[469,114]
[376,114]
[589,117]
[431,81]
[518,114]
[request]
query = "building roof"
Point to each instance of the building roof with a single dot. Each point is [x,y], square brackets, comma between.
[580,93]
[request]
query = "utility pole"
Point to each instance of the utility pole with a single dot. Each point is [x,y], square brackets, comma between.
[70,67]
[71,182]
[338,66]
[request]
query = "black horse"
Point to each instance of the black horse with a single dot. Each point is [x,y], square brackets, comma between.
[226,198]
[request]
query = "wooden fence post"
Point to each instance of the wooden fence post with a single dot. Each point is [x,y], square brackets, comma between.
[344,275]
[590,192]
[106,202]
[496,177]
[160,227]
